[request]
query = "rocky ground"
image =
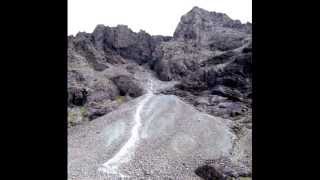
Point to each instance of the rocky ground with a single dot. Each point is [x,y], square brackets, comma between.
[202,72]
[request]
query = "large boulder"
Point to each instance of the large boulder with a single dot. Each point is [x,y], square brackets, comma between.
[128,85]
[101,98]
[77,96]
[207,172]
[103,89]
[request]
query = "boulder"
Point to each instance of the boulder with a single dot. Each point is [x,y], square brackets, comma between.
[77,96]
[128,86]
[207,172]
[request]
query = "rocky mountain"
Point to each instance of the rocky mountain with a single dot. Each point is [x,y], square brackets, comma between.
[212,29]
[204,68]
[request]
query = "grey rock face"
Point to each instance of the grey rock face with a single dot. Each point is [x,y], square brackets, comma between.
[228,74]
[210,55]
[126,43]
[175,59]
[212,29]
[201,39]
[83,45]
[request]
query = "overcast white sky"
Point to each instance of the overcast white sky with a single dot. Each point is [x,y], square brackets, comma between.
[157,17]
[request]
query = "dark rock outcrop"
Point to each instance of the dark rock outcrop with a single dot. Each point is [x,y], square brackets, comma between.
[113,45]
[175,60]
[76,96]
[126,43]
[207,49]
[226,75]
[128,86]
[83,45]
[209,173]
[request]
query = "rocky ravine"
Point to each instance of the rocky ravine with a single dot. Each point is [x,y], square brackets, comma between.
[156,107]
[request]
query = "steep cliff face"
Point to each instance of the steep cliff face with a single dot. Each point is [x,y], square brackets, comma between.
[126,43]
[210,55]
[211,29]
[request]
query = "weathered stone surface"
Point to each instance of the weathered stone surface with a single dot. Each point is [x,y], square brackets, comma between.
[84,46]
[126,43]
[212,29]
[209,51]
[175,59]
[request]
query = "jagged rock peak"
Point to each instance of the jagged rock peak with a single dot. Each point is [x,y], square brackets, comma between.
[116,41]
[198,22]
[119,27]
[216,17]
